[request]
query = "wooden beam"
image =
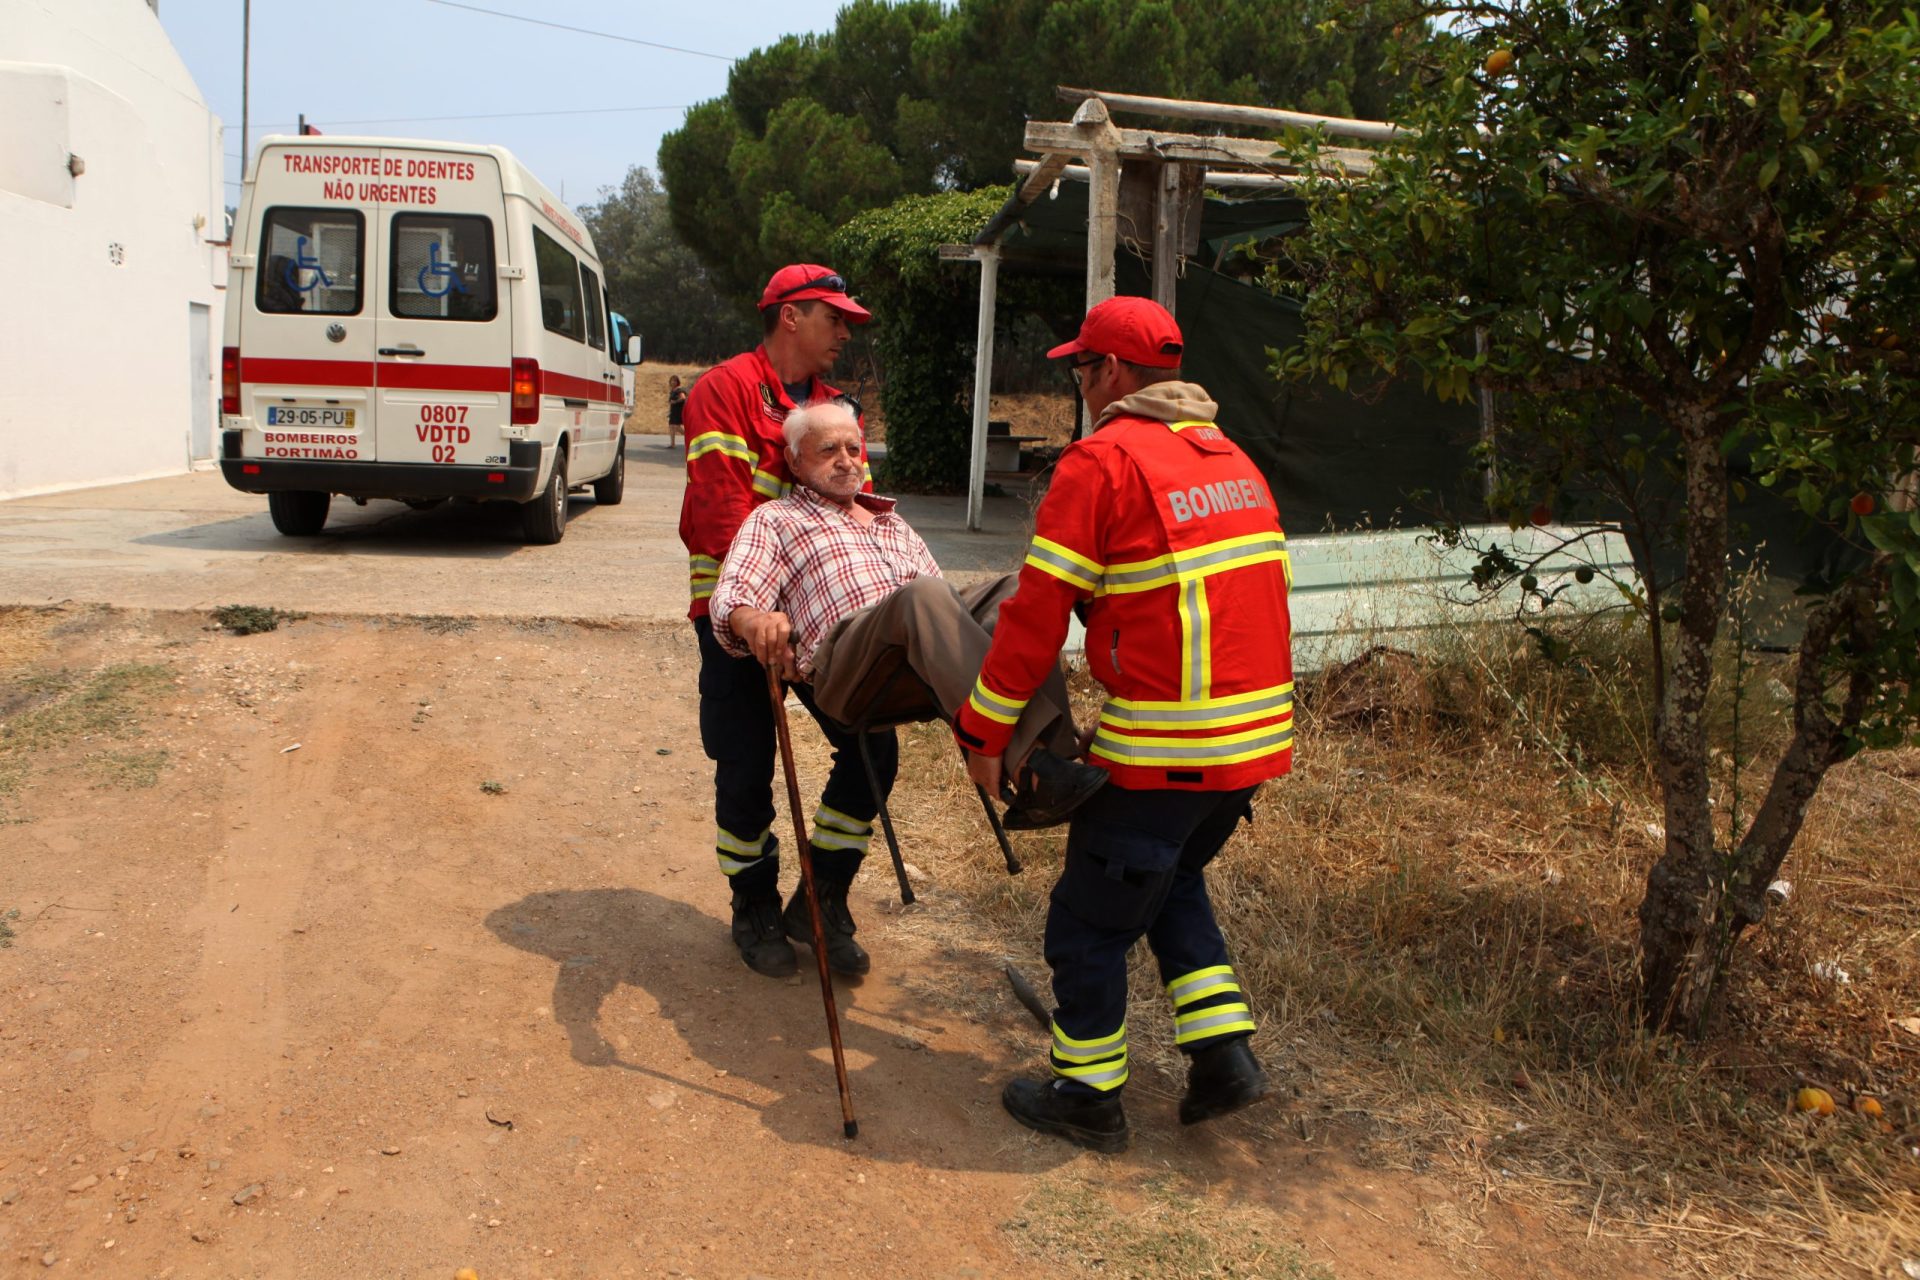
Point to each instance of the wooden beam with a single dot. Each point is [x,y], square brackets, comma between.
[1166,234]
[1041,176]
[1091,134]
[1051,136]
[989,259]
[1229,113]
[1224,179]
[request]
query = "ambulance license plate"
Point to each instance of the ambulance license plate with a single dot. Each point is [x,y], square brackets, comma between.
[289,416]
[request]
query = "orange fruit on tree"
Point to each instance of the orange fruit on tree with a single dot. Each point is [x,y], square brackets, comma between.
[1861,504]
[1498,61]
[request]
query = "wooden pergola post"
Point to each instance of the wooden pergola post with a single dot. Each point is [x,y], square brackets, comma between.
[988,256]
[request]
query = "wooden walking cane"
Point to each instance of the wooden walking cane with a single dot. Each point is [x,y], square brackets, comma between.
[778,693]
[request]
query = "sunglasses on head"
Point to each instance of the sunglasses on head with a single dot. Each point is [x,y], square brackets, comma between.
[837,283]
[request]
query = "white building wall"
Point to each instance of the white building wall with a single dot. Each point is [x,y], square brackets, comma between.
[99,270]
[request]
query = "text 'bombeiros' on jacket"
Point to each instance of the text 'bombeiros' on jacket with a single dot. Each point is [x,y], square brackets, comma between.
[736,459]
[1169,535]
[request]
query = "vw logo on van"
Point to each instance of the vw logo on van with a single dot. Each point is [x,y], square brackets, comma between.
[336,332]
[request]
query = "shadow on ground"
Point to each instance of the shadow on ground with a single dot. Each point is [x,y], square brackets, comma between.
[934,1108]
[482,530]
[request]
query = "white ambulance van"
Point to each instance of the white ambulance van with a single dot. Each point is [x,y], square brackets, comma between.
[416,321]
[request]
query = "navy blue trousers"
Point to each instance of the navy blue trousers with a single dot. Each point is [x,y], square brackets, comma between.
[737,733]
[1136,867]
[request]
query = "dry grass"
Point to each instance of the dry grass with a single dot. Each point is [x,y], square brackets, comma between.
[1159,1230]
[1435,915]
[47,711]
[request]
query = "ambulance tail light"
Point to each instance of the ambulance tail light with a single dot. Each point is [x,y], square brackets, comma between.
[230,380]
[526,391]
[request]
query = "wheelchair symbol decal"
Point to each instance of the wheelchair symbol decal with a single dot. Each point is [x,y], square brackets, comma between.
[439,271]
[301,262]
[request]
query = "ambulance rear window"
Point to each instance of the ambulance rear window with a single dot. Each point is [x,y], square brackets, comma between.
[442,267]
[559,286]
[309,261]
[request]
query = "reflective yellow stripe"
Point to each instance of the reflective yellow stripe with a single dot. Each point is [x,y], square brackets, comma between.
[1188,987]
[1065,1046]
[1196,658]
[702,573]
[1220,1019]
[1174,753]
[746,847]
[719,442]
[1184,423]
[1063,563]
[1212,987]
[1124,714]
[833,829]
[827,815]
[737,854]
[992,705]
[1103,1076]
[769,485]
[1195,562]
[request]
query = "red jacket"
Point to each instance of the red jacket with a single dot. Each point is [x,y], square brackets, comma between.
[736,459]
[1170,533]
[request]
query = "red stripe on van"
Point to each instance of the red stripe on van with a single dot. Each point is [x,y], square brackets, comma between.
[446,377]
[565,384]
[418,377]
[312,373]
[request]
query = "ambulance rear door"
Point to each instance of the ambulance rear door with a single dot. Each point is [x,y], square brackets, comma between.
[306,333]
[443,333]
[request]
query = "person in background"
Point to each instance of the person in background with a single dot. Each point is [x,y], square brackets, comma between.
[676,407]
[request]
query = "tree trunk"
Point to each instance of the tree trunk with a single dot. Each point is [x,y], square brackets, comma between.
[1681,914]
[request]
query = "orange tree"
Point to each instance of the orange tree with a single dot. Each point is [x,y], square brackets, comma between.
[1679,240]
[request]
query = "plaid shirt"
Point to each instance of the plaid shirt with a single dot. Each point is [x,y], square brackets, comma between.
[803,556]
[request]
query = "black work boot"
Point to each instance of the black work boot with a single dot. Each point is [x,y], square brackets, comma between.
[1222,1078]
[757,932]
[1095,1121]
[844,955]
[1049,790]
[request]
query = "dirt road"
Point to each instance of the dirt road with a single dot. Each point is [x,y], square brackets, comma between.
[191,542]
[381,947]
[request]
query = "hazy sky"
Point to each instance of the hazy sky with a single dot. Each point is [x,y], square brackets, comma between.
[389,63]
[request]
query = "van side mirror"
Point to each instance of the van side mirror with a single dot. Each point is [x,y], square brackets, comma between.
[633,349]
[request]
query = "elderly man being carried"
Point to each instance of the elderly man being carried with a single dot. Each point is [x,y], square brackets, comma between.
[830,585]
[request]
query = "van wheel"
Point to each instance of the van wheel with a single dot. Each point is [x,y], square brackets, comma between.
[544,520]
[299,513]
[607,490]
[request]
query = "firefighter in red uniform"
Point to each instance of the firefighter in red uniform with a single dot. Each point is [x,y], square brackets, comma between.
[736,459]
[1165,536]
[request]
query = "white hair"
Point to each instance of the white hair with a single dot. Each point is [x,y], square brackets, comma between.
[813,415]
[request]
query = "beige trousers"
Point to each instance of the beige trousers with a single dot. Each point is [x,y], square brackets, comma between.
[943,635]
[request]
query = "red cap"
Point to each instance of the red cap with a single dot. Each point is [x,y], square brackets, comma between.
[804,281]
[1138,330]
